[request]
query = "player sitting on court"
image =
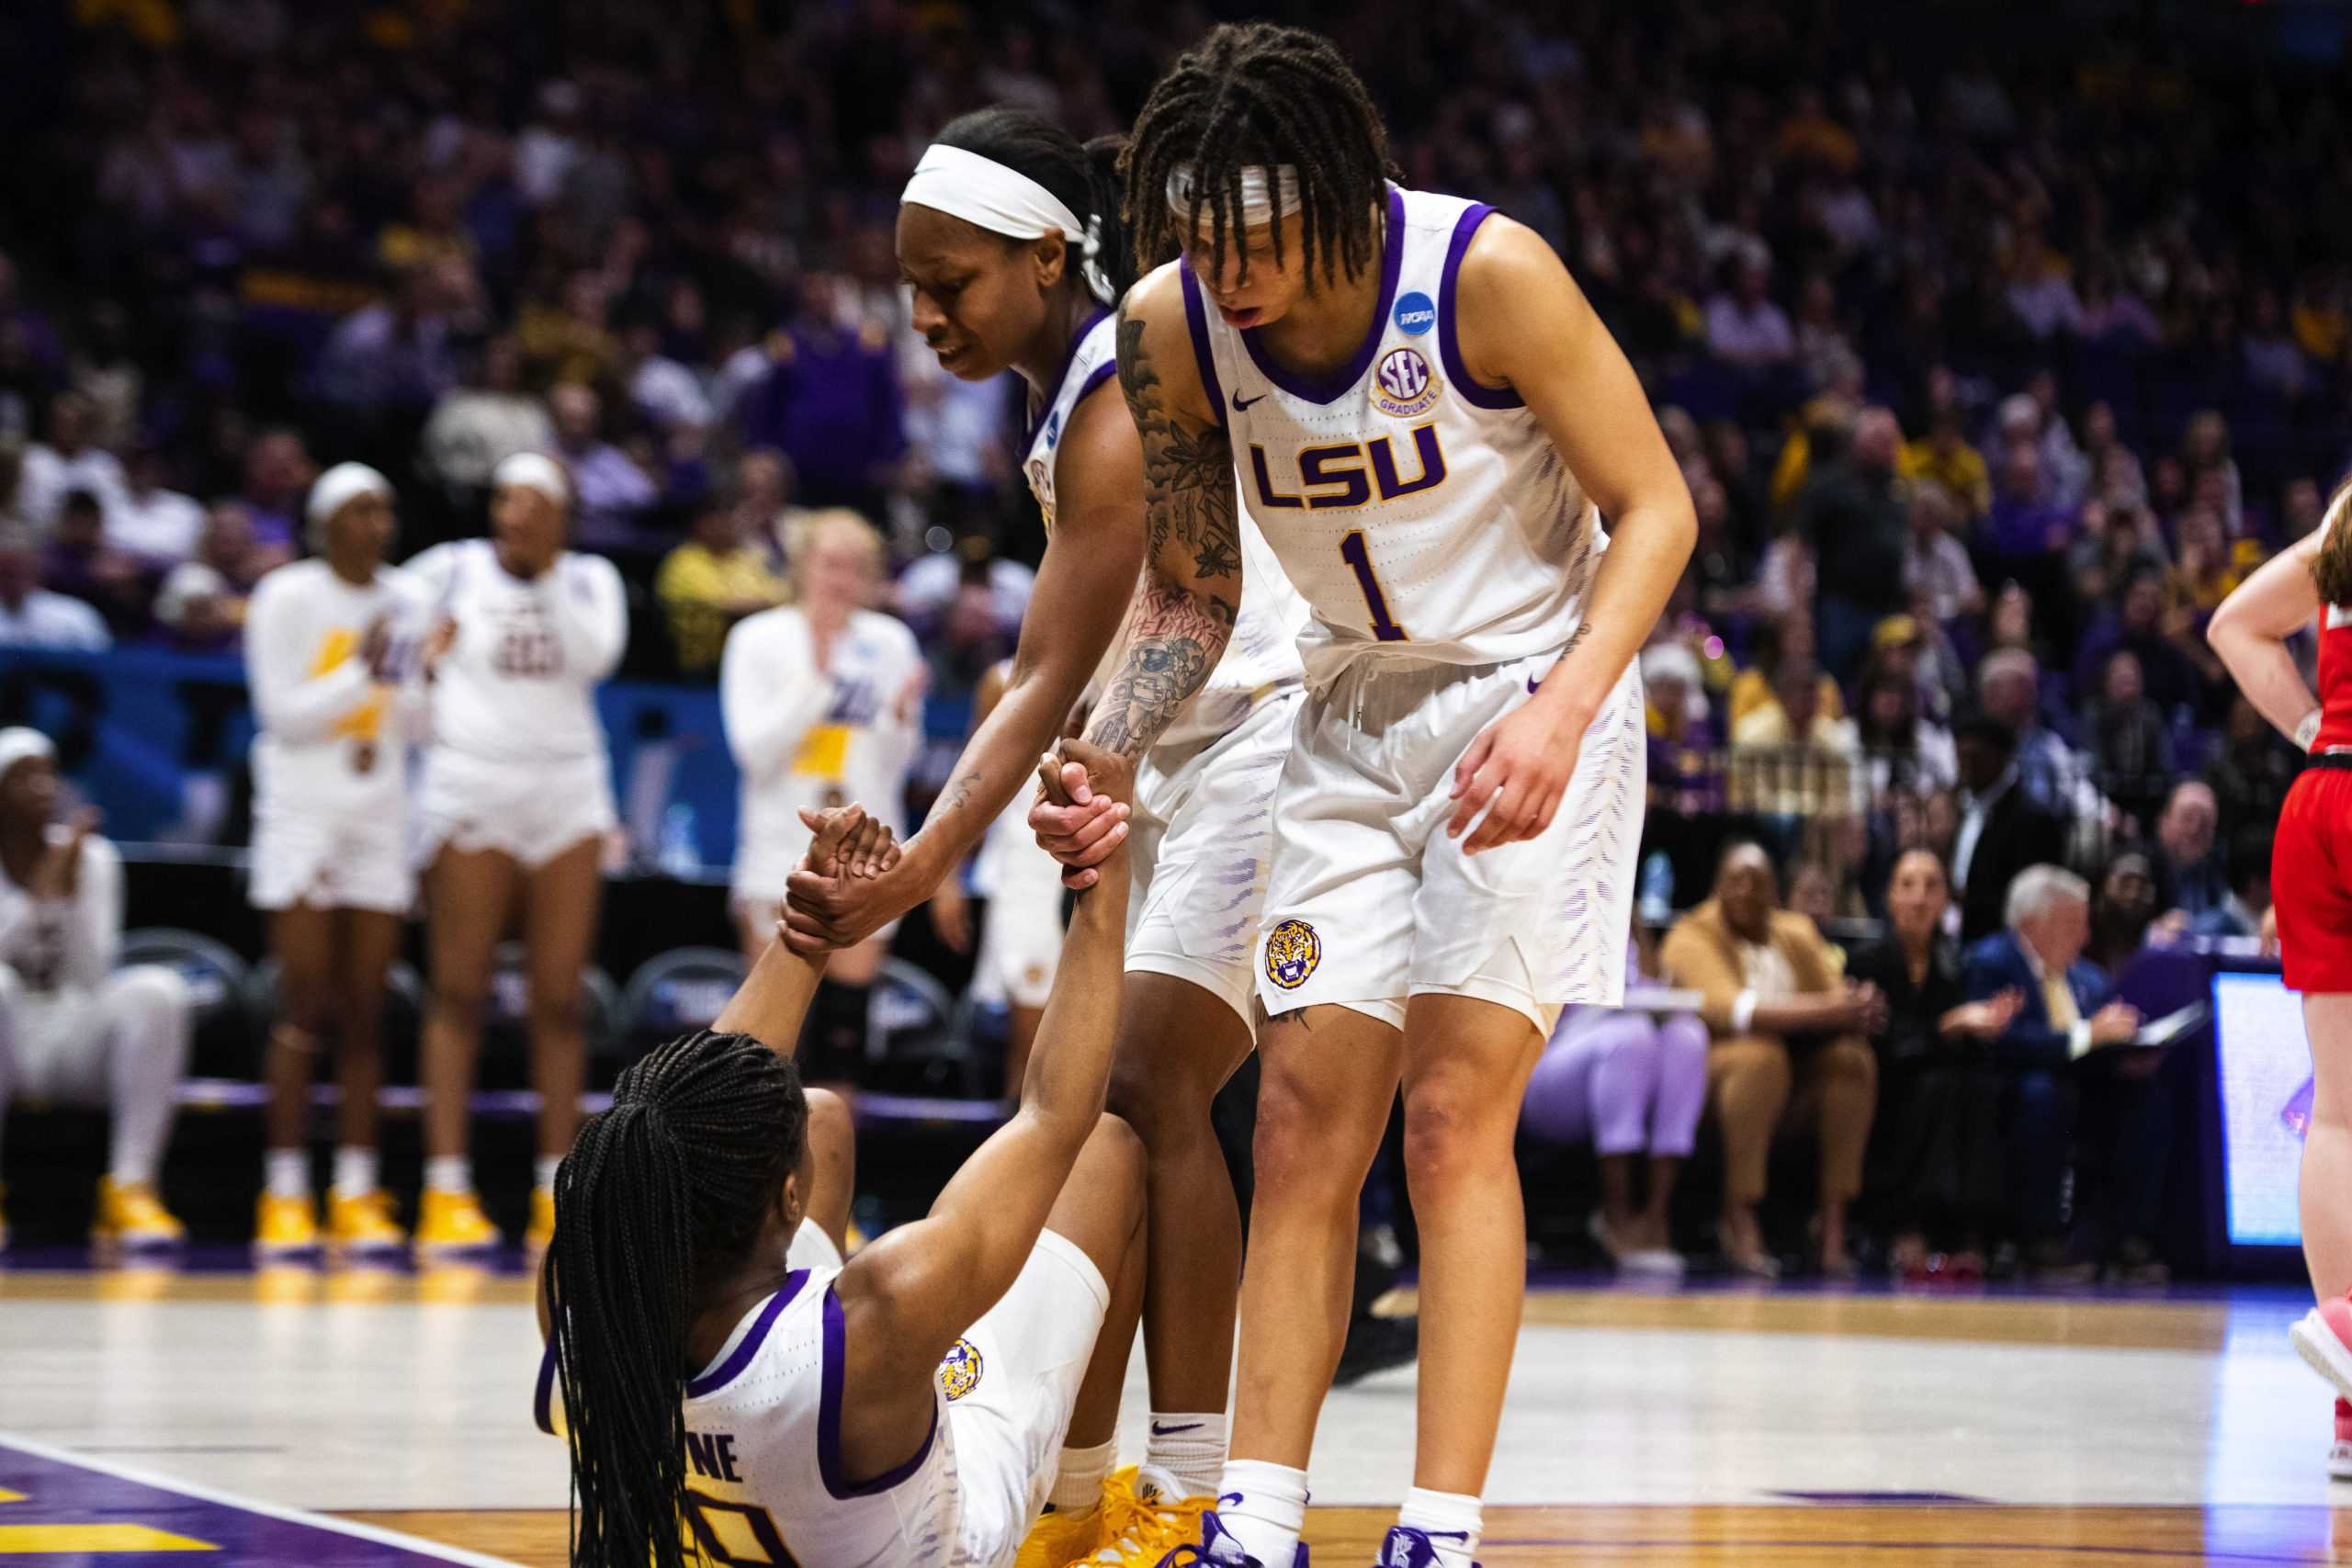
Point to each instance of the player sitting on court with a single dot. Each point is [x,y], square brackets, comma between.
[735,1394]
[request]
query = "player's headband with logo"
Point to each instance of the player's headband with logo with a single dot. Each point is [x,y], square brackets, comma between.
[534,470]
[1266,194]
[1001,199]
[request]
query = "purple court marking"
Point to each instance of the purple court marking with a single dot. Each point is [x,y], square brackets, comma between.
[63,1488]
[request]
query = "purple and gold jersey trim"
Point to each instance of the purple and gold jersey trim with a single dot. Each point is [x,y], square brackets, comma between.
[1330,389]
[829,1419]
[1094,379]
[1448,347]
[718,1376]
[1196,317]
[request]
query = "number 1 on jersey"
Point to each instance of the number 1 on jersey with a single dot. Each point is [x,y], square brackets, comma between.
[1359,559]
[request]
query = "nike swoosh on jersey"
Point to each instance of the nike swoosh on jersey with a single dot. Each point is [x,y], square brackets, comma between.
[1242,407]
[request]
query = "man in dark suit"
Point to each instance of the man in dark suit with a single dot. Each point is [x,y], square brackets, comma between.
[2073,1075]
[2002,831]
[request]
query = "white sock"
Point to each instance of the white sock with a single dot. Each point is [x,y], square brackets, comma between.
[449,1173]
[1266,1523]
[1451,1521]
[544,1172]
[354,1171]
[1078,1487]
[1189,1447]
[288,1172]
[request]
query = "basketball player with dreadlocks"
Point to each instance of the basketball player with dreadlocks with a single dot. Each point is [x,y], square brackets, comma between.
[1416,404]
[732,1393]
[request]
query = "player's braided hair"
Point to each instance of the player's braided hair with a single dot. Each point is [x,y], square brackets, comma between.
[2332,570]
[1250,95]
[660,1195]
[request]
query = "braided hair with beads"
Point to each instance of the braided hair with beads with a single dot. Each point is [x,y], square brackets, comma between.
[659,1198]
[1258,95]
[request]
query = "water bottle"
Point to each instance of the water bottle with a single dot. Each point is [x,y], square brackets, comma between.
[1655,899]
[678,856]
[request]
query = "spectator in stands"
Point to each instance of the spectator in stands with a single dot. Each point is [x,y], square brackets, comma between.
[614,496]
[2242,914]
[278,475]
[34,616]
[1936,567]
[1787,1050]
[2123,907]
[2024,530]
[2117,478]
[2130,747]
[2207,570]
[486,421]
[81,564]
[160,527]
[1937,1158]
[1789,638]
[2205,450]
[1635,1084]
[1902,749]
[711,582]
[75,1030]
[2301,505]
[2191,876]
[1944,458]
[2054,776]
[67,462]
[1744,327]
[2071,1068]
[2136,623]
[201,605]
[2115,541]
[831,404]
[396,357]
[1852,512]
[1794,716]
[2002,831]
[2250,775]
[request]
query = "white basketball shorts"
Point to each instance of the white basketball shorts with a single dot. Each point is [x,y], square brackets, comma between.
[314,859]
[1372,903]
[1201,846]
[530,812]
[1020,928]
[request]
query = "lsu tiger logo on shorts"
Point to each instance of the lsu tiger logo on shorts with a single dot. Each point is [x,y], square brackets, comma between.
[1293,950]
[960,1369]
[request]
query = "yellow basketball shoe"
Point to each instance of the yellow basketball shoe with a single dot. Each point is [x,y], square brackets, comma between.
[131,1216]
[1146,1517]
[284,1225]
[1056,1541]
[541,1233]
[362,1221]
[453,1221]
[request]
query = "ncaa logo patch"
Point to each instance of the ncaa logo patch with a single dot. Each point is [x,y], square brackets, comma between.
[1053,429]
[1293,950]
[1415,314]
[1403,386]
[960,1369]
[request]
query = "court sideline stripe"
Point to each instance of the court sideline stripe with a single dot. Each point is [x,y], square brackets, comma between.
[268,1510]
[1770,1543]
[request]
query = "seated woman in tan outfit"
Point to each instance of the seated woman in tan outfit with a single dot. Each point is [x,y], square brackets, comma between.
[1787,1049]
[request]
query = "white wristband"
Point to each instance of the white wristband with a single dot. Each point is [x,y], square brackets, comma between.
[2308,730]
[2078,1041]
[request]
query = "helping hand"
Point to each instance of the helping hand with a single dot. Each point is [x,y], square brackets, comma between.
[1080,816]
[849,888]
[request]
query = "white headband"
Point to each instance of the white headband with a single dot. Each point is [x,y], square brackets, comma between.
[1259,204]
[342,485]
[19,744]
[1003,201]
[534,470]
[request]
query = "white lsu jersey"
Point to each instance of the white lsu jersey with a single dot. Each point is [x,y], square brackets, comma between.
[1262,653]
[331,739]
[805,737]
[519,685]
[764,1481]
[1417,511]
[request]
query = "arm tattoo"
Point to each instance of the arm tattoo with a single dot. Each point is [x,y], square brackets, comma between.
[1190,515]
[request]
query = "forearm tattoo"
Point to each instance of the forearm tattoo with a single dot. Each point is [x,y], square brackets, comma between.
[1191,514]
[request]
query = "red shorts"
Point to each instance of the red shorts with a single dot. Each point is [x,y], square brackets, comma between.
[2310,882]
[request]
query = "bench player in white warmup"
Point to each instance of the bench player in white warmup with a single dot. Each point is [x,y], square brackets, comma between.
[1429,421]
[906,1411]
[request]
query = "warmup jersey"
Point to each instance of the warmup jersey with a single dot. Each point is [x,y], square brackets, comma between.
[806,740]
[1420,514]
[1262,653]
[331,741]
[520,683]
[764,1471]
[2334,679]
